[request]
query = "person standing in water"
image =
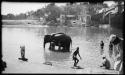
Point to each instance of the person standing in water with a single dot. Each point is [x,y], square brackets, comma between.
[23,53]
[102,47]
[110,49]
[76,60]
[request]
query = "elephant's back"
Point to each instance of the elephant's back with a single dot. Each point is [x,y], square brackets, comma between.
[66,38]
[62,37]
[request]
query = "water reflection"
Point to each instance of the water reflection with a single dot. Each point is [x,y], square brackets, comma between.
[57,56]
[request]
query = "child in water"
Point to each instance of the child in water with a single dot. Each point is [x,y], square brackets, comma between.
[76,60]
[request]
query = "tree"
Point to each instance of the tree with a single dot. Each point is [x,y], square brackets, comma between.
[22,16]
[10,16]
[39,13]
[53,13]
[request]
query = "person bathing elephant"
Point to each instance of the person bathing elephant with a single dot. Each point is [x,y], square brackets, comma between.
[116,44]
[60,40]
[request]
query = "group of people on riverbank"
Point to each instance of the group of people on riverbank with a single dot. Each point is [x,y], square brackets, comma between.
[116,49]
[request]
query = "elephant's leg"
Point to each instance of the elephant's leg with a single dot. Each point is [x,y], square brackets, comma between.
[50,46]
[53,46]
[59,48]
[64,48]
[68,48]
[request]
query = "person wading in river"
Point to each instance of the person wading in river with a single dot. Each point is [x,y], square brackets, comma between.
[76,60]
[23,53]
[102,47]
[110,49]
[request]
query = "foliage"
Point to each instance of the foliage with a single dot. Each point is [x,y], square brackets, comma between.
[52,12]
[14,17]
[39,13]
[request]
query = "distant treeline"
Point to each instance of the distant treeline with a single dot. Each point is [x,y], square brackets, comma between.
[14,17]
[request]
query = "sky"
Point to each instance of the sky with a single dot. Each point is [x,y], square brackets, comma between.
[109,3]
[19,7]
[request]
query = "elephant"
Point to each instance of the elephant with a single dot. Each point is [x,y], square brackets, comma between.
[117,46]
[60,40]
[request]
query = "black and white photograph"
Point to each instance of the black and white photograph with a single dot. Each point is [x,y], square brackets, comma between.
[62,37]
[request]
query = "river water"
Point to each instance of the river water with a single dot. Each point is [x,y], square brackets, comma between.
[87,38]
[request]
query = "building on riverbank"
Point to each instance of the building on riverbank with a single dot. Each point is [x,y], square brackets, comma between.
[112,15]
[76,15]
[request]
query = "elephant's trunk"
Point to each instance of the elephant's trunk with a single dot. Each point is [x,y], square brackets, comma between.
[44,45]
[47,39]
